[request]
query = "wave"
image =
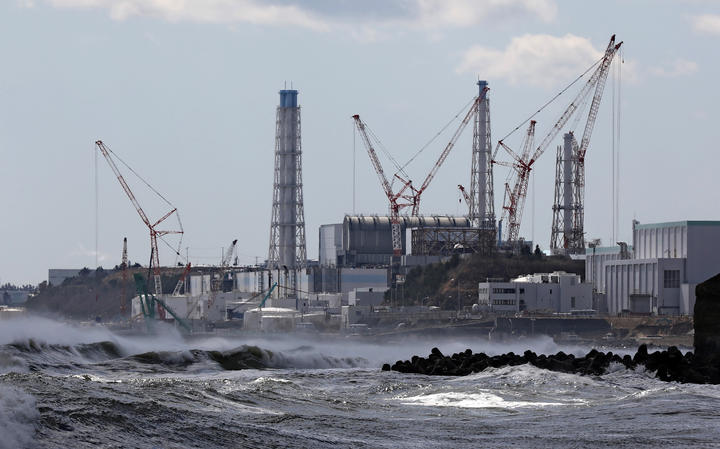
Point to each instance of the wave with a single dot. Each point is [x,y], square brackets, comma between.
[249,357]
[35,355]
[18,413]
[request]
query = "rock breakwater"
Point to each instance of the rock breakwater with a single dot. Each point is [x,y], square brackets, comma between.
[669,365]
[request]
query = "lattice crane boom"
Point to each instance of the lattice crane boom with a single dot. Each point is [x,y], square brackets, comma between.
[446,151]
[595,105]
[373,157]
[103,149]
[517,195]
[182,281]
[228,254]
[154,233]
[387,188]
[579,99]
[523,163]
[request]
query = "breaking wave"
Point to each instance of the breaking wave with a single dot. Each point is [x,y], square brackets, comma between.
[18,414]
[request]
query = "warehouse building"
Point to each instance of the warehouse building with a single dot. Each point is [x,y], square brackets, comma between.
[668,261]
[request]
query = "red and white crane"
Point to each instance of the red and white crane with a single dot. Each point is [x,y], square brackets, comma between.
[472,110]
[398,200]
[515,197]
[155,233]
[407,195]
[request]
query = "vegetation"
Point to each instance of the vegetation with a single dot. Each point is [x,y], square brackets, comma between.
[441,284]
[12,287]
[87,296]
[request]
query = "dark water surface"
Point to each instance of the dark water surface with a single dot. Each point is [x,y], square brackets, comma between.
[62,386]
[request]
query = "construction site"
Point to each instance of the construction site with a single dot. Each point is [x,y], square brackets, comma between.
[364,261]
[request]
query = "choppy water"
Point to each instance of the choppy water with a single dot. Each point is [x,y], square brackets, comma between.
[67,387]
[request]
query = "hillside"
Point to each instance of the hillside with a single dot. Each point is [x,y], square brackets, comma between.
[94,294]
[437,284]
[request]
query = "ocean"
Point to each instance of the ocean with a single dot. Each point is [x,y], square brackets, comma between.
[63,386]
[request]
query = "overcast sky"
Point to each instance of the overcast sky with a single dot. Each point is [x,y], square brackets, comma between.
[185,92]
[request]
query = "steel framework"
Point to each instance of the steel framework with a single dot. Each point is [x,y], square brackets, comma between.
[287,250]
[482,196]
[515,197]
[407,195]
[155,233]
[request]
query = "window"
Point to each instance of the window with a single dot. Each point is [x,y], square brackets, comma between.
[504,291]
[503,302]
[572,302]
[522,291]
[671,278]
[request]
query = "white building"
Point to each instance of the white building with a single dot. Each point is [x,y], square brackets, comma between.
[556,292]
[366,297]
[668,261]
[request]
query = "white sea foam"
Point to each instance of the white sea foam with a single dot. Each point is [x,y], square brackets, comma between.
[479,399]
[18,414]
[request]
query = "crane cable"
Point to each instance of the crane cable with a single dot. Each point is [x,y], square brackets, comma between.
[442,130]
[177,214]
[385,151]
[140,177]
[553,98]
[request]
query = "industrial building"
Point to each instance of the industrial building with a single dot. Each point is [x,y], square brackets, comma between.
[314,281]
[549,293]
[665,264]
[595,259]
[366,240]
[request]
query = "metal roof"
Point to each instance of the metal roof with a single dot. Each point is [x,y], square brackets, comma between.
[675,224]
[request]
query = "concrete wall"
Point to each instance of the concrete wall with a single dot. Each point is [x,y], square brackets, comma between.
[199,284]
[330,243]
[365,297]
[595,259]
[646,277]
[696,241]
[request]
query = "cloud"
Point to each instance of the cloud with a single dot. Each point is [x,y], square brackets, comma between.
[203,11]
[533,59]
[362,18]
[679,67]
[81,251]
[463,13]
[706,23]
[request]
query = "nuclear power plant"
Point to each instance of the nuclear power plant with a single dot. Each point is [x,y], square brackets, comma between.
[363,260]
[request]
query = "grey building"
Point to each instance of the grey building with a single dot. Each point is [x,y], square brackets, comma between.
[668,261]
[595,259]
[550,293]
[367,240]
[330,242]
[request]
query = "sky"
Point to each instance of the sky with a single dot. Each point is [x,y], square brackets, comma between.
[185,91]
